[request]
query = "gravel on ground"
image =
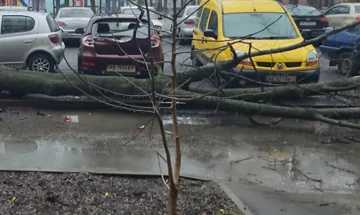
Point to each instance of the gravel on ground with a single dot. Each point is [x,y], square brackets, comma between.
[80,193]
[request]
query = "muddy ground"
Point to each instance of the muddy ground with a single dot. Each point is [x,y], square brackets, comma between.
[57,193]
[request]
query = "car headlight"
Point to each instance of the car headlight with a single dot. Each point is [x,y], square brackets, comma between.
[312,58]
[246,61]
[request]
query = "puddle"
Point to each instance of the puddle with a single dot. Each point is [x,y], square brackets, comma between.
[300,170]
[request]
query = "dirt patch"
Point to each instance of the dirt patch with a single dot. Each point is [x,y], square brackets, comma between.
[72,193]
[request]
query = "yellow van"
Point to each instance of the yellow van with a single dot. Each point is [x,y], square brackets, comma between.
[263,23]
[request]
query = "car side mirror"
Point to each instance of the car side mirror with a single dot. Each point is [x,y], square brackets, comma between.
[210,33]
[79,31]
[306,34]
[160,18]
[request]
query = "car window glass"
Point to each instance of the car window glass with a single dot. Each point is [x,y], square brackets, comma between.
[119,30]
[76,12]
[303,11]
[204,18]
[198,14]
[332,11]
[343,10]
[213,22]
[259,25]
[53,26]
[357,9]
[354,30]
[16,24]
[191,11]
[181,14]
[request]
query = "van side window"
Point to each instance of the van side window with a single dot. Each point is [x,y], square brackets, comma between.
[204,18]
[16,24]
[213,22]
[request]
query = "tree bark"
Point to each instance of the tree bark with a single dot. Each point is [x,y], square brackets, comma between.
[67,3]
[57,6]
[93,6]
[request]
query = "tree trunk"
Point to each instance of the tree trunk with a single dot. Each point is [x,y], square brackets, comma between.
[67,3]
[93,6]
[173,197]
[57,6]
[113,6]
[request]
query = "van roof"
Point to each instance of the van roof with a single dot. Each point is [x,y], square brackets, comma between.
[234,6]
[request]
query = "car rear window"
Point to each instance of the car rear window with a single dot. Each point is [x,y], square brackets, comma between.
[76,12]
[118,29]
[191,10]
[258,25]
[303,11]
[357,9]
[53,26]
[136,11]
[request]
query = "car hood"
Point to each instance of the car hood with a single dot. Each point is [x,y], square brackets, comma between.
[156,22]
[296,55]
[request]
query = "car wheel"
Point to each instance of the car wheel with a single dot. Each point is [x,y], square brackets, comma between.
[41,63]
[181,40]
[346,64]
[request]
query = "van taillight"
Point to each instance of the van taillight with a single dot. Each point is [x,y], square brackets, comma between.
[324,20]
[54,38]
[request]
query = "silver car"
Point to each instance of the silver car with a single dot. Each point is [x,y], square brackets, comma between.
[30,39]
[71,18]
[186,21]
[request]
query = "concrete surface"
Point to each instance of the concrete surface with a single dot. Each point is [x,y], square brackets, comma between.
[265,201]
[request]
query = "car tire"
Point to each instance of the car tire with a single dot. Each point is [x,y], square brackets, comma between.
[346,64]
[181,41]
[41,63]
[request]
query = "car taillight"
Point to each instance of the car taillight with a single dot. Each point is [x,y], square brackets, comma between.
[54,38]
[61,24]
[324,20]
[88,41]
[189,22]
[155,41]
[357,17]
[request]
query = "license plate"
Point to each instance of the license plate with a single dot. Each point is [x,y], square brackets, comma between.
[282,79]
[308,23]
[120,68]
[74,34]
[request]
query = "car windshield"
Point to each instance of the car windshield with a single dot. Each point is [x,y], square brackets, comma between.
[259,26]
[137,12]
[357,9]
[76,12]
[119,29]
[303,11]
[191,10]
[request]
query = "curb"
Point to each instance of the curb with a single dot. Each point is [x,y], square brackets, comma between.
[238,202]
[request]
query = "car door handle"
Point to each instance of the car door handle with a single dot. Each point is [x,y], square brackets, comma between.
[27,41]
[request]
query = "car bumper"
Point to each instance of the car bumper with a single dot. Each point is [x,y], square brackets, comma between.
[98,65]
[251,76]
[187,32]
[314,32]
[70,34]
[58,52]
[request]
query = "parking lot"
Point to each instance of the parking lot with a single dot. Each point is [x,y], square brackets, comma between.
[327,73]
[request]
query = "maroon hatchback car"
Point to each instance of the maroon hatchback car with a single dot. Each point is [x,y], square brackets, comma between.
[110,45]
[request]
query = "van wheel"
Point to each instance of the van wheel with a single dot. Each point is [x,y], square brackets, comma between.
[41,63]
[347,65]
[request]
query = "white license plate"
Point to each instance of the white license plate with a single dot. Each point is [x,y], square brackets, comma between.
[120,68]
[281,79]
[308,23]
[74,34]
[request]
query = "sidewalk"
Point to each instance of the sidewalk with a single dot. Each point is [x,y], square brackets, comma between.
[263,201]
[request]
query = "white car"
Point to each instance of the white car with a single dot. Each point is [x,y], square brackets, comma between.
[155,18]
[30,39]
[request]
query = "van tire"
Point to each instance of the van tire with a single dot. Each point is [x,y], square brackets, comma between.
[347,65]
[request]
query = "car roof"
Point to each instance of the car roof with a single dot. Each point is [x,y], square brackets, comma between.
[87,8]
[242,6]
[14,7]
[128,7]
[25,13]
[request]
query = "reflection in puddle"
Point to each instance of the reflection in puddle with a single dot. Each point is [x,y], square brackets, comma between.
[300,170]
